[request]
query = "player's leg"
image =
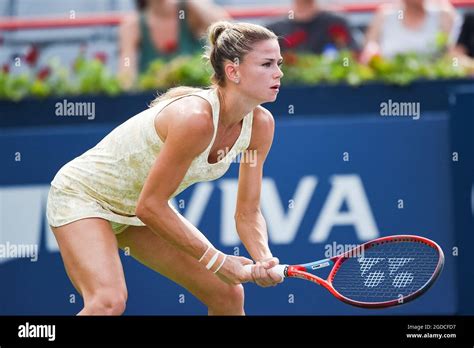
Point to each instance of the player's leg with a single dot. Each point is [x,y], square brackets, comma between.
[159,255]
[90,254]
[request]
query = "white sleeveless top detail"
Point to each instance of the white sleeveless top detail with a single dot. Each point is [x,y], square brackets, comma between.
[397,38]
[113,172]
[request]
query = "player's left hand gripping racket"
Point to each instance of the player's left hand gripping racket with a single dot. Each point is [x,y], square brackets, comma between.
[384,272]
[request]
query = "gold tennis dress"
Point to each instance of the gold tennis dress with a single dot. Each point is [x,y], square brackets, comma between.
[106,180]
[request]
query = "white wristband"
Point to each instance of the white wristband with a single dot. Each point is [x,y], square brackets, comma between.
[213,260]
[202,257]
[222,263]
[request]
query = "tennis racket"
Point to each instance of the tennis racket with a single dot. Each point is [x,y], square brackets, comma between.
[384,272]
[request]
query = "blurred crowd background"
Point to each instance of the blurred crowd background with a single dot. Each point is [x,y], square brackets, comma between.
[45,40]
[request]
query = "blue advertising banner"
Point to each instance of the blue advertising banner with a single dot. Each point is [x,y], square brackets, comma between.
[462,148]
[329,182]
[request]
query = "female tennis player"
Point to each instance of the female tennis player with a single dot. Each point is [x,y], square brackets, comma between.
[117,193]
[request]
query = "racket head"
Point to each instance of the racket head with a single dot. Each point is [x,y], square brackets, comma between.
[392,271]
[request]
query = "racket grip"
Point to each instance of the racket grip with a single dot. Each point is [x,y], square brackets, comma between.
[278,269]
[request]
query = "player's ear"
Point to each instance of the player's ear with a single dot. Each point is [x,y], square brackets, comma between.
[231,70]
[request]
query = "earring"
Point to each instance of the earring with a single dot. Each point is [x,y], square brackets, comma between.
[237,80]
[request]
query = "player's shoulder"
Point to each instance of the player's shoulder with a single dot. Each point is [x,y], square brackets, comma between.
[263,126]
[191,120]
[263,119]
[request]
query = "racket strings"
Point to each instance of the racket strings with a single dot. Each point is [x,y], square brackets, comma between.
[386,272]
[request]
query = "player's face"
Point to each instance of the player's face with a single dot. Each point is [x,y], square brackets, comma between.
[260,72]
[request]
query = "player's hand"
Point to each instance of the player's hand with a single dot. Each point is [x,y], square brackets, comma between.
[263,275]
[233,272]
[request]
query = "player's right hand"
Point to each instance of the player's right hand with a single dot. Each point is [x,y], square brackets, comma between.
[233,271]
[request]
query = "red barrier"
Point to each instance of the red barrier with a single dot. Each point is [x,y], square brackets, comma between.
[6,23]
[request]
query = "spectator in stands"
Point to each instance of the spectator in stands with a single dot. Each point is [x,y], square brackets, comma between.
[408,26]
[163,29]
[465,42]
[311,29]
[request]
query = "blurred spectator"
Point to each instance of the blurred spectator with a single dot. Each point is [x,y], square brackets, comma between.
[408,26]
[465,43]
[163,29]
[309,28]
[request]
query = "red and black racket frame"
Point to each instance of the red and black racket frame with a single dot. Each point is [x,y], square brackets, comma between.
[302,271]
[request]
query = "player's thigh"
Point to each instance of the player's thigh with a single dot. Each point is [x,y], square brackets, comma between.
[156,253]
[90,254]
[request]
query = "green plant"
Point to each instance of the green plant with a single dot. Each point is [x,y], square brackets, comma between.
[312,69]
[92,76]
[344,68]
[183,70]
[87,77]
